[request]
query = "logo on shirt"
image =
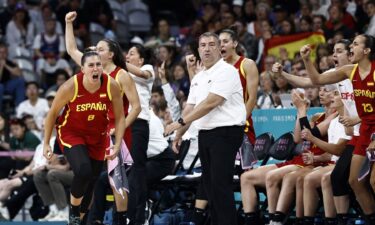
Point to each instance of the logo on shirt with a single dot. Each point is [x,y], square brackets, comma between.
[103,95]
[78,96]
[209,81]
[370,83]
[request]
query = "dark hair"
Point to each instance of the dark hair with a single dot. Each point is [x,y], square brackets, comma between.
[157,89]
[146,54]
[63,72]
[346,43]
[17,121]
[118,57]
[232,31]
[370,43]
[87,53]
[32,83]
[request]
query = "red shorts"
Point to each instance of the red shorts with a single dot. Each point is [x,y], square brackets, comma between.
[364,139]
[96,143]
[298,161]
[249,130]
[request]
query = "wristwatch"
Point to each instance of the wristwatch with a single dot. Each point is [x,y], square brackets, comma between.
[181,121]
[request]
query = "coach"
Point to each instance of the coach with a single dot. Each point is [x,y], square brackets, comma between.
[216,103]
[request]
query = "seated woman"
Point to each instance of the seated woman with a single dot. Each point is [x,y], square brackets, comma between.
[336,145]
[273,174]
[280,199]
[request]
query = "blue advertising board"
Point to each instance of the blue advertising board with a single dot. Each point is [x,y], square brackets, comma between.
[277,121]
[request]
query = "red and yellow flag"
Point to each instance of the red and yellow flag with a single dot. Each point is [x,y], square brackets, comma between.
[293,43]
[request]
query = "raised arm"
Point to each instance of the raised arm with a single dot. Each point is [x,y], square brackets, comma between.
[131,93]
[145,74]
[339,74]
[64,94]
[252,81]
[70,41]
[296,81]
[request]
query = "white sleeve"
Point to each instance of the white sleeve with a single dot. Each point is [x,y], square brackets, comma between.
[192,100]
[172,102]
[37,40]
[149,68]
[224,82]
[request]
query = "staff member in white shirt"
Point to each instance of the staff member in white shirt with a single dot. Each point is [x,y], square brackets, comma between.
[216,104]
[138,62]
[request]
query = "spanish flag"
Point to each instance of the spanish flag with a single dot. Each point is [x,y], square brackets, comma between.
[293,43]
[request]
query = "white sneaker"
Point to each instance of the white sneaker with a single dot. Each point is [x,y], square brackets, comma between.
[4,212]
[60,216]
[51,214]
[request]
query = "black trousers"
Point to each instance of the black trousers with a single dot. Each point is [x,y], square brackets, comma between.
[217,150]
[86,171]
[341,172]
[137,178]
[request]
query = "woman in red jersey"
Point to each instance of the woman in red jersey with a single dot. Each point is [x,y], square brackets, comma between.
[361,73]
[114,65]
[82,127]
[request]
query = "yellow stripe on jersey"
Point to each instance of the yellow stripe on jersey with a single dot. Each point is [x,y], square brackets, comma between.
[109,88]
[242,69]
[353,71]
[75,88]
[117,78]
[60,126]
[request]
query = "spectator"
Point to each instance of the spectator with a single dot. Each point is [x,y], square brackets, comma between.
[99,11]
[21,186]
[38,107]
[248,40]
[30,124]
[61,76]
[318,24]
[167,55]
[336,23]
[227,19]
[249,11]
[49,41]
[163,34]
[267,99]
[237,8]
[20,30]
[6,15]
[51,183]
[312,94]
[256,27]
[48,66]
[266,35]
[40,14]
[21,139]
[281,15]
[180,81]
[286,28]
[11,80]
[50,96]
[305,24]
[318,8]
[371,14]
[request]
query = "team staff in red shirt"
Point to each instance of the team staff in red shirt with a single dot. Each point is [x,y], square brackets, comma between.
[82,127]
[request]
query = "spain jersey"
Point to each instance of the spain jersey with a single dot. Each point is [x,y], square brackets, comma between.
[84,120]
[364,94]
[249,128]
[364,97]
